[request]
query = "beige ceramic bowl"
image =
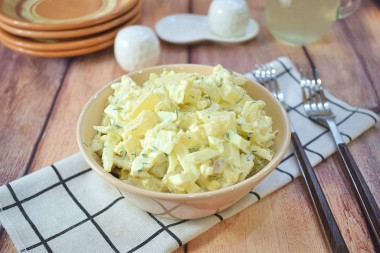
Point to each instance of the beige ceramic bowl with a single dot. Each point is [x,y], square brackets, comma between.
[182,206]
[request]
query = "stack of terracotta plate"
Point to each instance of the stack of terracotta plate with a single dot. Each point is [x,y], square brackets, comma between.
[64,28]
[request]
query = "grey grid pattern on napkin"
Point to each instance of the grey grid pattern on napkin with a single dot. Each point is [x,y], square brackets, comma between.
[66,207]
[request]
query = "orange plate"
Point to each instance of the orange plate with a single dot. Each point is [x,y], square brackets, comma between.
[69,34]
[60,54]
[27,44]
[50,15]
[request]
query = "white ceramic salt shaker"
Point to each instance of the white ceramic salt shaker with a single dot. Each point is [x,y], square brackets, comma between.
[228,18]
[136,47]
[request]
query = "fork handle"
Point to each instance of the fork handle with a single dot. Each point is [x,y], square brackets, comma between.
[321,206]
[366,200]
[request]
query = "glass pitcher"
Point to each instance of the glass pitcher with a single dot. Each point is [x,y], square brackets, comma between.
[300,22]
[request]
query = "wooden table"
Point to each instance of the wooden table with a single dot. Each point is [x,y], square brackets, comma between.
[40,100]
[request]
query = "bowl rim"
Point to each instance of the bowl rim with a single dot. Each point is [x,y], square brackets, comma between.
[180,196]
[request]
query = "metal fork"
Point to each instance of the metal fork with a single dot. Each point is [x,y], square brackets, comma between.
[267,77]
[318,108]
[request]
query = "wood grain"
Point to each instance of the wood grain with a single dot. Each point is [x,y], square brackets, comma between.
[317,197]
[26,99]
[351,71]
[27,95]
[261,226]
[370,210]
[347,59]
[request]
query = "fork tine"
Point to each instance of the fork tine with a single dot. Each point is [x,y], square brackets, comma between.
[311,84]
[276,89]
[324,101]
[265,78]
[269,80]
[256,73]
[266,75]
[318,92]
[315,102]
[260,75]
[318,99]
[270,77]
[305,90]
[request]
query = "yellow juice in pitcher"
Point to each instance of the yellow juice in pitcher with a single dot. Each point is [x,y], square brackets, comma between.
[300,22]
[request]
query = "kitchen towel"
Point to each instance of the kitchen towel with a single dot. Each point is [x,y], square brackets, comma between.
[66,207]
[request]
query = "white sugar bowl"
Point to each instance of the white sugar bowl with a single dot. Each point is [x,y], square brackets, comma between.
[228,18]
[136,47]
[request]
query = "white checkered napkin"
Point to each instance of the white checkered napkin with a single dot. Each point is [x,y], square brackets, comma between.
[67,207]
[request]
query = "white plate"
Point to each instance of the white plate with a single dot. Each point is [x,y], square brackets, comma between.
[192,28]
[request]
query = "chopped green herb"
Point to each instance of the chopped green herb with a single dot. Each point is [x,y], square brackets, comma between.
[194,149]
[249,156]
[209,99]
[144,155]
[176,112]
[237,102]
[118,127]
[208,116]
[154,147]
[228,136]
[135,153]
[193,97]
[230,71]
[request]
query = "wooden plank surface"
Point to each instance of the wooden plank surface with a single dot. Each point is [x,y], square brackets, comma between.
[34,91]
[27,95]
[25,105]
